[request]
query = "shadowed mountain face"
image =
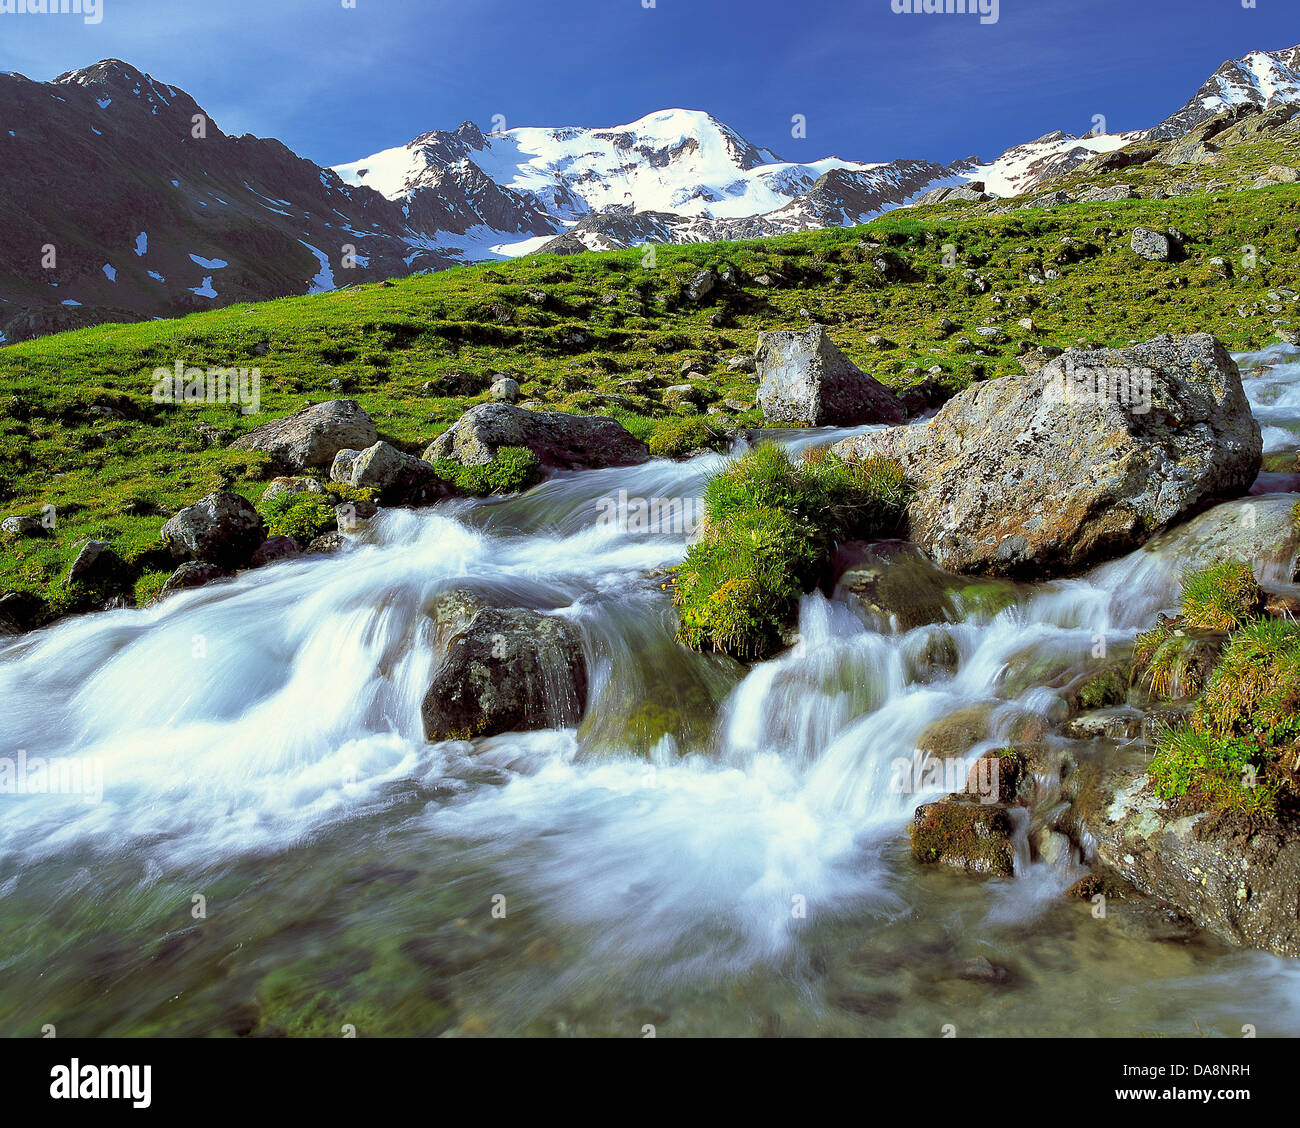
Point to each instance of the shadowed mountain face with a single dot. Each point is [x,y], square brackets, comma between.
[121,200]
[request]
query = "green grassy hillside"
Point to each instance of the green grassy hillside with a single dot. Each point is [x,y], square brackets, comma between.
[606,333]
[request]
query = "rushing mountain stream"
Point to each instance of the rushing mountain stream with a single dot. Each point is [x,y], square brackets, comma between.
[714,851]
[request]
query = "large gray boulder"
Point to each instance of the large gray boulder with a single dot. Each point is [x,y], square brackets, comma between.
[313,436]
[506,671]
[222,529]
[560,441]
[396,477]
[805,380]
[1045,474]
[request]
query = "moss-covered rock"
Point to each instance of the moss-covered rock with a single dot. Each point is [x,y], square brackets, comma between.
[965,834]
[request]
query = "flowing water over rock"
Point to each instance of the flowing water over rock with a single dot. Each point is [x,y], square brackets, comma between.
[713,851]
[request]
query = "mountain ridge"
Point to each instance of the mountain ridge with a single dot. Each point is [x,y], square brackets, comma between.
[172,206]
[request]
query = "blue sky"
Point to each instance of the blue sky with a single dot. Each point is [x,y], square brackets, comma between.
[336,83]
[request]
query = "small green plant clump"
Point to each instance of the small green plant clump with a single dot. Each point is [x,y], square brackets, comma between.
[1212,773]
[303,516]
[513,470]
[1221,597]
[677,438]
[770,527]
[1240,747]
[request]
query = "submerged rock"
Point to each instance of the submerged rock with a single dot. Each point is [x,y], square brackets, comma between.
[892,584]
[805,379]
[313,436]
[1042,475]
[560,441]
[507,671]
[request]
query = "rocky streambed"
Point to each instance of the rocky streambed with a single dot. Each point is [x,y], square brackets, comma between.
[711,848]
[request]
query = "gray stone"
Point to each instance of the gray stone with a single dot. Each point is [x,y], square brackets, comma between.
[560,441]
[1036,476]
[505,390]
[22,526]
[222,528]
[805,379]
[95,560]
[1154,246]
[313,436]
[396,477]
[291,486]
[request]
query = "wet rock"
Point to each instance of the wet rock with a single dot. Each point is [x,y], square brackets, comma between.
[1115,723]
[327,544]
[1149,920]
[560,441]
[956,734]
[1054,848]
[508,671]
[274,549]
[352,515]
[222,528]
[20,611]
[192,574]
[964,834]
[313,436]
[1238,882]
[805,379]
[1029,476]
[930,654]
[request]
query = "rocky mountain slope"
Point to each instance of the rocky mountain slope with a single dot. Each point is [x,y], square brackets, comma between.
[1263,78]
[121,199]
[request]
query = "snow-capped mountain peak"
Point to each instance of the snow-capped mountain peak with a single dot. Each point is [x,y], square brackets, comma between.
[1261,78]
[676,161]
